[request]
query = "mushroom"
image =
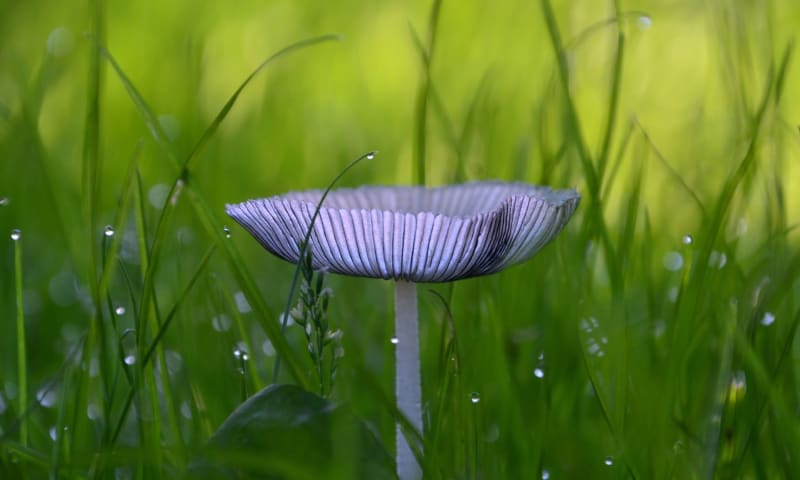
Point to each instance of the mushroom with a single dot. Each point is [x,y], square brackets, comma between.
[411,234]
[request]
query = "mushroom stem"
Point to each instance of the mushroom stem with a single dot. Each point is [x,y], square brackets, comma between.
[407,374]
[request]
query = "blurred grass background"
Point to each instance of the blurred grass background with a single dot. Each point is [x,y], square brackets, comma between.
[659,355]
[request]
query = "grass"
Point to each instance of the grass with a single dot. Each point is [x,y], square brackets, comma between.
[655,338]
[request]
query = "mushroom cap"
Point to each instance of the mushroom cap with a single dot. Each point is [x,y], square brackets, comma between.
[412,233]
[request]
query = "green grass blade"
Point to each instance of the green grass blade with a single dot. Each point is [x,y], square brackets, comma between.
[22,356]
[423,94]
[304,248]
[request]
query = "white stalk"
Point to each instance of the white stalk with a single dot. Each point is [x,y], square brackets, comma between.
[407,374]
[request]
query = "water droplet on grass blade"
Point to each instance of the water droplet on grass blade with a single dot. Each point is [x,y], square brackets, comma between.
[16,234]
[609,461]
[474,397]
[3,201]
[394,340]
[226,231]
[130,359]
[538,373]
[221,323]
[46,397]
[371,155]
[673,261]
[545,474]
[120,310]
[687,239]
[60,42]
[157,195]
[53,433]
[768,319]
[644,22]
[109,231]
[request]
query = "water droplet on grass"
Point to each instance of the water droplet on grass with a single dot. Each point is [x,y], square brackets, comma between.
[186,411]
[53,433]
[109,231]
[170,125]
[46,397]
[538,373]
[474,397]
[609,461]
[130,359]
[394,340]
[644,22]
[768,319]
[157,195]
[226,231]
[93,411]
[241,302]
[717,259]
[687,239]
[3,201]
[221,323]
[673,261]
[370,155]
[545,474]
[16,234]
[120,310]
[60,42]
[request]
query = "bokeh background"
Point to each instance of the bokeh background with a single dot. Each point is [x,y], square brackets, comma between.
[695,76]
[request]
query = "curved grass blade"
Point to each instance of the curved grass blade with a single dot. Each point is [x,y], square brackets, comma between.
[206,217]
[304,248]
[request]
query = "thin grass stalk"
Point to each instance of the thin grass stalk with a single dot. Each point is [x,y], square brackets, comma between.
[22,356]
[303,247]
[423,94]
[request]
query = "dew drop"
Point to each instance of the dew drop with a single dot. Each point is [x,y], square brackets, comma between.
[687,239]
[93,411]
[157,195]
[221,323]
[130,359]
[538,373]
[245,357]
[267,348]
[474,397]
[609,461]
[46,397]
[60,42]
[3,201]
[545,474]
[109,231]
[768,319]
[227,231]
[120,310]
[53,433]
[237,353]
[394,341]
[186,411]
[16,234]
[673,261]
[644,22]
[370,155]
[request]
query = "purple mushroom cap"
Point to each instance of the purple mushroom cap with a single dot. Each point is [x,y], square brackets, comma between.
[412,233]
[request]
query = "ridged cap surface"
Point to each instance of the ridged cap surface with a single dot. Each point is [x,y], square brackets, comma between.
[413,233]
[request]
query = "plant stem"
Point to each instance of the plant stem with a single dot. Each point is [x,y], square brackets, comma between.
[22,363]
[407,374]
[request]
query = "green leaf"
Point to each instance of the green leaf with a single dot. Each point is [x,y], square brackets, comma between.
[284,431]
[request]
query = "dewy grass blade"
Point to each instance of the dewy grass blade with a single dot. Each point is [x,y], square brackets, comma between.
[22,356]
[148,355]
[280,344]
[303,249]
[237,317]
[423,93]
